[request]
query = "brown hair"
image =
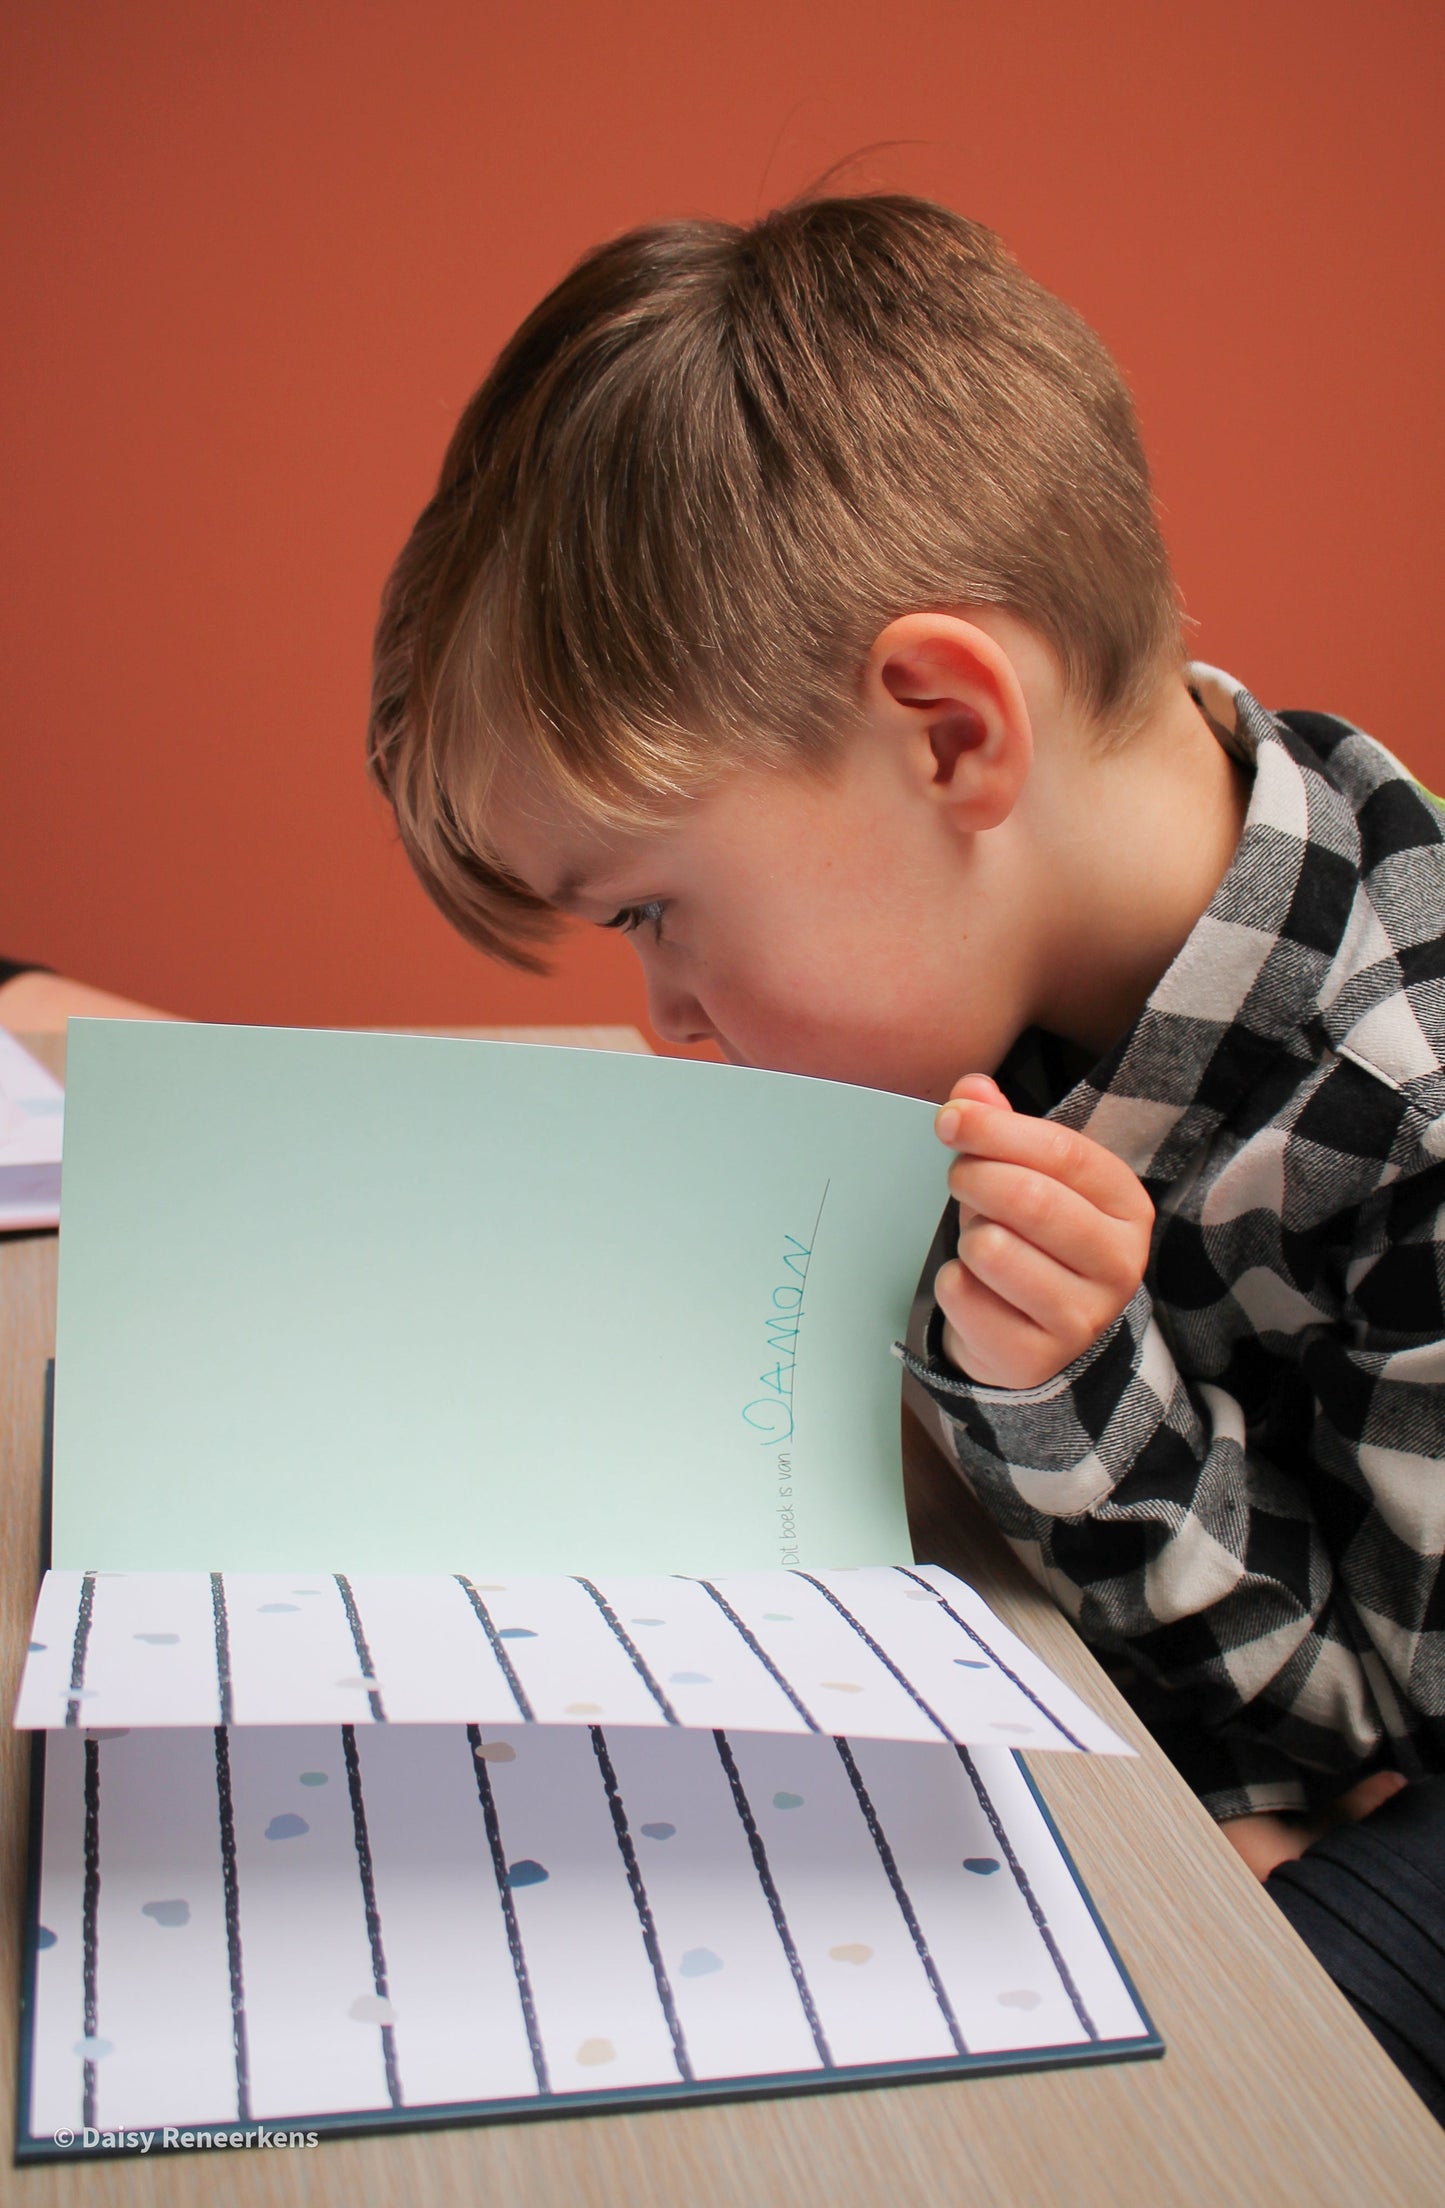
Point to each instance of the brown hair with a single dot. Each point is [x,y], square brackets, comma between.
[703,475]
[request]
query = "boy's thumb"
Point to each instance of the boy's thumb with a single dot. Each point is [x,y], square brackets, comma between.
[979,1088]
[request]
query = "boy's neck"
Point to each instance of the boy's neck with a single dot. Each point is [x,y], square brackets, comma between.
[1134,842]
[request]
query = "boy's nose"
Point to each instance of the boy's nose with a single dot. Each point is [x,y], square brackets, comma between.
[674,1011]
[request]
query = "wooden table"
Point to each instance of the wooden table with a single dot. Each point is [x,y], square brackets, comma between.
[1270,2092]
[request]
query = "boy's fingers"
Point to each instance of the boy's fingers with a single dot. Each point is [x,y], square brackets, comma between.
[1366,1796]
[1090,1242]
[1013,1138]
[1069,1310]
[984,1335]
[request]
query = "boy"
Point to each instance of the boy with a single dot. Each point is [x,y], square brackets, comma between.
[792,598]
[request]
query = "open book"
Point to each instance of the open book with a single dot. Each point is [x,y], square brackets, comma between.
[482,1669]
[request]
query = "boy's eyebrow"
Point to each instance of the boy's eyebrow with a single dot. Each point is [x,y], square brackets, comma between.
[567,890]
[578,882]
[575,882]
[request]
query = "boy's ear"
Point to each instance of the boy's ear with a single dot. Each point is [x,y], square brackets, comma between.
[947,695]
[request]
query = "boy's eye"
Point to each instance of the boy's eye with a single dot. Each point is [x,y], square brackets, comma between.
[637,916]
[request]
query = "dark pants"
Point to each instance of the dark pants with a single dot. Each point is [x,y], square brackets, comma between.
[1368,1900]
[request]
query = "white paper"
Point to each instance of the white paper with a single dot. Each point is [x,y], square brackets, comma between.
[32,1105]
[279,1925]
[883,1652]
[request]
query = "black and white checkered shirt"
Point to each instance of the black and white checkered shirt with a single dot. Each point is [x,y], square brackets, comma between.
[1241,1486]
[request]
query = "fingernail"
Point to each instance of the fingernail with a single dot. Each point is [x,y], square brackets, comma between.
[947,1123]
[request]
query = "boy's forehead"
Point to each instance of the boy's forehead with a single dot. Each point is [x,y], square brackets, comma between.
[558,852]
[738,818]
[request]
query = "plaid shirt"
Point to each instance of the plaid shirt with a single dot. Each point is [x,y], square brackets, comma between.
[1241,1486]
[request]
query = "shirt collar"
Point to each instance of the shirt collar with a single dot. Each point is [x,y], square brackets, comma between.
[1247,981]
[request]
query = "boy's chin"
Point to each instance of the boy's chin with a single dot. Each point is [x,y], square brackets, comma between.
[858,1068]
[895,1080]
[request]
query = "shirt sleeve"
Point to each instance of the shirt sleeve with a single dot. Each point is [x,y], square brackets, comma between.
[1280,1583]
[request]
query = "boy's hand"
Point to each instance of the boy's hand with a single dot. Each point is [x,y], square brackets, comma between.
[1053,1240]
[1264,1840]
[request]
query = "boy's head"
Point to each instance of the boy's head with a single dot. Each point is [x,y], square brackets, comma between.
[710,470]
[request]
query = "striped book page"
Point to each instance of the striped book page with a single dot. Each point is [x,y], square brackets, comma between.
[356,1926]
[893,1652]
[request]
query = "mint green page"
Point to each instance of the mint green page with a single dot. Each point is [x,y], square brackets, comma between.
[339,1302]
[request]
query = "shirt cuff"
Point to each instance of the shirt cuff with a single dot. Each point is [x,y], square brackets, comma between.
[1234,1773]
[946,1383]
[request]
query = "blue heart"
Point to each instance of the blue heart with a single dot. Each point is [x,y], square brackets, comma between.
[169,1913]
[288,1826]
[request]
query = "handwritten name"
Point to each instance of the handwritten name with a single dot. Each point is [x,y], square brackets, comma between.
[771,1414]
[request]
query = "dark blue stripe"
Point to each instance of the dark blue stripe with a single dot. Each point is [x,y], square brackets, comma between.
[640,1902]
[373,1915]
[774,1899]
[761,1653]
[901,1895]
[240,2049]
[89,1913]
[79,1646]
[1021,1880]
[363,1653]
[993,1655]
[881,1653]
[621,1633]
[509,1909]
[222,1627]
[499,1646]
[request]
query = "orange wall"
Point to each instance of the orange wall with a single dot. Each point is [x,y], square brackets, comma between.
[265,250]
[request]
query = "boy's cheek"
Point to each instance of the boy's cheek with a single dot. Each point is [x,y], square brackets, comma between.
[829,1017]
